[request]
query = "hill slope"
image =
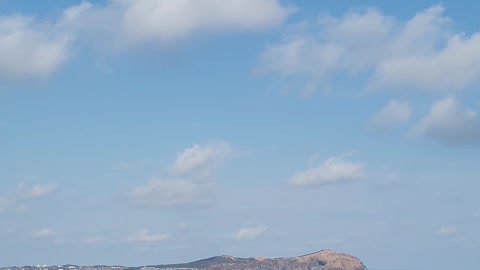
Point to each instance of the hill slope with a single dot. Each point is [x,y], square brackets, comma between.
[322,260]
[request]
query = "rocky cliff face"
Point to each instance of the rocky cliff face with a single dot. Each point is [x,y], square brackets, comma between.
[322,260]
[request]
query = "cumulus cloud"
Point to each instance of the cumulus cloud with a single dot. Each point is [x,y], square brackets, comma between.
[449,123]
[165,21]
[171,192]
[144,236]
[394,113]
[30,49]
[422,53]
[201,158]
[331,170]
[447,231]
[45,233]
[248,233]
[189,182]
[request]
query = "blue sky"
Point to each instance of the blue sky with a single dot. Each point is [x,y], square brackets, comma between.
[146,132]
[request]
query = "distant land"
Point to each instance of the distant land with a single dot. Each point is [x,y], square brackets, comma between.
[321,260]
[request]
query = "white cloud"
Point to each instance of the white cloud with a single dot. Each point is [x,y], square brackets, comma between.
[171,20]
[144,236]
[191,183]
[170,192]
[421,53]
[45,233]
[447,231]
[201,159]
[128,23]
[19,199]
[30,49]
[248,233]
[35,191]
[454,67]
[333,169]
[394,113]
[450,124]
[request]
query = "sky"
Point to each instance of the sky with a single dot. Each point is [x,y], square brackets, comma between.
[149,132]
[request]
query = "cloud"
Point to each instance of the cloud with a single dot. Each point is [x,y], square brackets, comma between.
[422,53]
[447,231]
[331,170]
[165,21]
[35,49]
[30,49]
[248,233]
[189,181]
[35,191]
[450,124]
[144,236]
[170,192]
[201,159]
[394,113]
[45,233]
[19,199]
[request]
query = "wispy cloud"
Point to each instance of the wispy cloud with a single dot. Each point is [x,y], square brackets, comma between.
[24,193]
[189,179]
[331,170]
[447,231]
[201,158]
[170,192]
[248,233]
[394,113]
[45,233]
[144,236]
[35,191]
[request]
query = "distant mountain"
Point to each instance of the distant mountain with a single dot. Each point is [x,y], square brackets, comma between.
[322,260]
